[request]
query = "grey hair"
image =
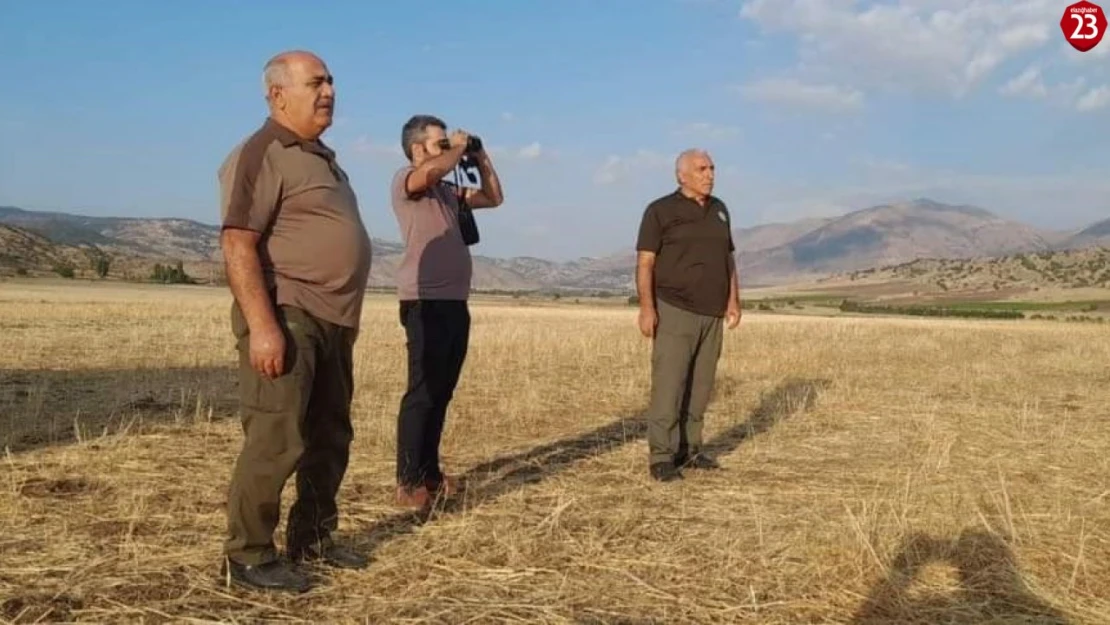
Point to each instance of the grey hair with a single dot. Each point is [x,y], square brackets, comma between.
[275,73]
[415,130]
[686,154]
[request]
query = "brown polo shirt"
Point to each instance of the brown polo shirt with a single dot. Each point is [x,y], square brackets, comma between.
[436,264]
[315,251]
[692,245]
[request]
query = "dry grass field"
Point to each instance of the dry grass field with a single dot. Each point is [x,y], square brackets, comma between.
[876,470]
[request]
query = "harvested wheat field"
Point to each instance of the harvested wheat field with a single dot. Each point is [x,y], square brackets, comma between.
[875,471]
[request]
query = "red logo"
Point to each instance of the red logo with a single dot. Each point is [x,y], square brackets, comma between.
[1083,24]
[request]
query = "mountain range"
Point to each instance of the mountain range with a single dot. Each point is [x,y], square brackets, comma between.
[769,254]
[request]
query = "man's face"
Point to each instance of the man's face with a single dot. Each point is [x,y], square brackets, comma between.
[308,101]
[698,174]
[435,141]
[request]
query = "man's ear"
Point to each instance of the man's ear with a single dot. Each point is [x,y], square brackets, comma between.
[275,96]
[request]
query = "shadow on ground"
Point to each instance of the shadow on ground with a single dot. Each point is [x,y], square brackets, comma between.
[991,589]
[792,396]
[39,408]
[489,481]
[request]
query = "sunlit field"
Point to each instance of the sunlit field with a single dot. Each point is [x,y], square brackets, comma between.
[876,470]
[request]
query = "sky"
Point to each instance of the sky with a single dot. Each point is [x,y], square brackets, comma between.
[808,107]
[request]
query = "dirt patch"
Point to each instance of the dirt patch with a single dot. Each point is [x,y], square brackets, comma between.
[64,488]
[48,407]
[154,587]
[40,608]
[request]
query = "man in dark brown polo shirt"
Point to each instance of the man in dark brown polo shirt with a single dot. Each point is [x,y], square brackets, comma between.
[687,284]
[298,257]
[433,285]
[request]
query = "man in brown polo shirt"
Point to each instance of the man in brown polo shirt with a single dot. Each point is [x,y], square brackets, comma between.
[298,258]
[687,284]
[433,285]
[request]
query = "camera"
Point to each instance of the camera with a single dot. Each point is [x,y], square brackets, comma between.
[473,144]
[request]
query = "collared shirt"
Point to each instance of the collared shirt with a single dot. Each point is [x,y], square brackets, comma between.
[315,250]
[436,263]
[692,245]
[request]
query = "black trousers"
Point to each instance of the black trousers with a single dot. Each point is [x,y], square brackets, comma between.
[438,332]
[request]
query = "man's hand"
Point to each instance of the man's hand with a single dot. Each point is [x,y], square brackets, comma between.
[459,138]
[649,319]
[244,276]
[490,195]
[268,351]
[732,315]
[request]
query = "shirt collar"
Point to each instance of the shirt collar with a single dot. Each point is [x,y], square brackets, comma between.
[288,139]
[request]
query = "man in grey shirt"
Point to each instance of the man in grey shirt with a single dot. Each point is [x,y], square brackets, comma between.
[433,285]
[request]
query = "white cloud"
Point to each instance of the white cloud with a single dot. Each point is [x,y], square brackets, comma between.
[1028,83]
[366,145]
[530,151]
[795,94]
[1024,36]
[931,46]
[706,131]
[618,168]
[1067,92]
[1089,57]
[1094,99]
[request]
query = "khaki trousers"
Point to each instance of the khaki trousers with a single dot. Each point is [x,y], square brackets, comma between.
[300,421]
[684,359]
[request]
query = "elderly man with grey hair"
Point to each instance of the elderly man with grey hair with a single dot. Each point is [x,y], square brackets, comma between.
[688,288]
[298,258]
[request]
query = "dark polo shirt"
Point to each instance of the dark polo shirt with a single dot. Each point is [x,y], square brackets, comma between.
[315,251]
[692,245]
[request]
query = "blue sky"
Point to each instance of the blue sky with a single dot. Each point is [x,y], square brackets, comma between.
[809,107]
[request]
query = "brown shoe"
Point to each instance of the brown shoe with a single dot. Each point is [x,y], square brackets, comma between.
[446,486]
[414,497]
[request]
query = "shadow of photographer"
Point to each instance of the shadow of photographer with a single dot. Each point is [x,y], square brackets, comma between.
[991,589]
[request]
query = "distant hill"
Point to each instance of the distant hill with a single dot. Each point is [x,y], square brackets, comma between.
[770,236]
[769,254]
[141,237]
[1004,275]
[28,253]
[138,243]
[1095,234]
[895,233]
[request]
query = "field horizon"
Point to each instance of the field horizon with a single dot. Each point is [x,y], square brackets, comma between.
[875,469]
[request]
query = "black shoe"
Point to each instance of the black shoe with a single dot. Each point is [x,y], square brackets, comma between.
[332,555]
[665,472]
[699,461]
[277,574]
